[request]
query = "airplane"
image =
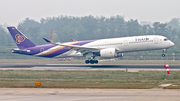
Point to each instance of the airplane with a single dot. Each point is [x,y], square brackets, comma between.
[105,48]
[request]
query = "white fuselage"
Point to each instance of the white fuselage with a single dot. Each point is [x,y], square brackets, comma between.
[128,44]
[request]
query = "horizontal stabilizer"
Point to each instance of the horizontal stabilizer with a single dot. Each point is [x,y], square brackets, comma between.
[20,51]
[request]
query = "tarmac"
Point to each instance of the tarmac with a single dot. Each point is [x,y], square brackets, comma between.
[46,94]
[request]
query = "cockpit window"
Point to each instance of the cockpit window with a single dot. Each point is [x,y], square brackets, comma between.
[165,39]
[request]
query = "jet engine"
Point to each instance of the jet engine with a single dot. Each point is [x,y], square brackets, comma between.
[108,53]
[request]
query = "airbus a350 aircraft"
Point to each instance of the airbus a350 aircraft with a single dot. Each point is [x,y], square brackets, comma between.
[105,48]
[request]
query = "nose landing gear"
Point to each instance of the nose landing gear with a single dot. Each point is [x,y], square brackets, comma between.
[163,52]
[163,55]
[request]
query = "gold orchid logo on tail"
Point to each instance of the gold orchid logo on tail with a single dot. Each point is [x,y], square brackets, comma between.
[19,38]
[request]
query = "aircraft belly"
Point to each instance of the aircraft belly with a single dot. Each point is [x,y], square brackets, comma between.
[156,46]
[70,54]
[138,47]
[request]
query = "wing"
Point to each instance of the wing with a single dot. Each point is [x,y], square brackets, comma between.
[77,48]
[82,49]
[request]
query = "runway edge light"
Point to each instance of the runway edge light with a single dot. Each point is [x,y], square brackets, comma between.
[167,68]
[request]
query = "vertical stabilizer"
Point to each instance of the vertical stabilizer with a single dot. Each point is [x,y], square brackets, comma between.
[20,39]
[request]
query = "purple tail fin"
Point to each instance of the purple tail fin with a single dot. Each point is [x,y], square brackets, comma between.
[21,40]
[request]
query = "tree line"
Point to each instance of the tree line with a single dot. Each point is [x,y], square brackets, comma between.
[90,28]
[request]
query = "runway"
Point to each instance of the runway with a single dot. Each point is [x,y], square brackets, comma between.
[55,94]
[84,66]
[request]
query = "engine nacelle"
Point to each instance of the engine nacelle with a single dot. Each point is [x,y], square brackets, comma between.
[108,53]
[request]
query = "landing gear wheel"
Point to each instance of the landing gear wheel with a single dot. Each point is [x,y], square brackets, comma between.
[87,61]
[163,52]
[95,61]
[92,61]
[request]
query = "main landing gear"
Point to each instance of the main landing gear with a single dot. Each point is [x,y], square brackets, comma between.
[91,61]
[90,58]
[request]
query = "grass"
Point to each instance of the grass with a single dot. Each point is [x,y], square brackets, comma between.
[87,79]
[172,87]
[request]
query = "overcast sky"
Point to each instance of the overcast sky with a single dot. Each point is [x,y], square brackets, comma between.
[14,11]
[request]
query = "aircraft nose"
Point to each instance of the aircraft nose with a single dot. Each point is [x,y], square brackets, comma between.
[171,43]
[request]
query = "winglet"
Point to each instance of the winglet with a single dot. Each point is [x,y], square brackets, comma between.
[73,40]
[48,41]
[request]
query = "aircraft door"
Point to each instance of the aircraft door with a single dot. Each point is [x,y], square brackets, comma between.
[156,40]
[160,40]
[125,43]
